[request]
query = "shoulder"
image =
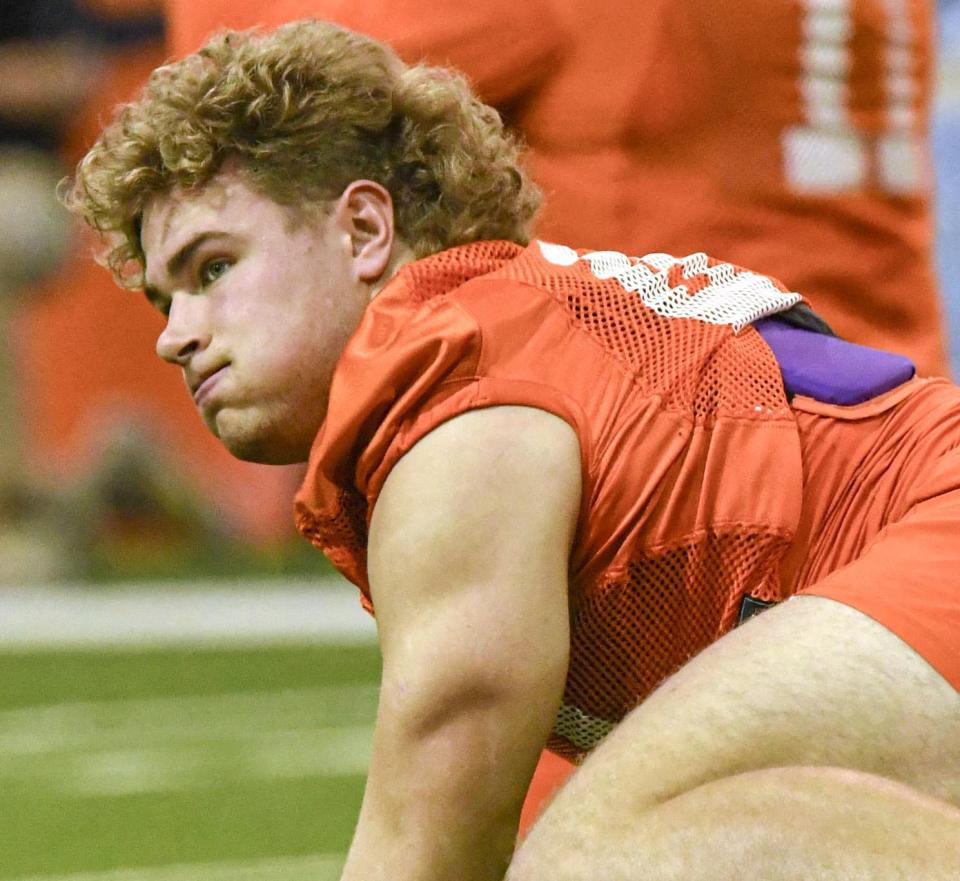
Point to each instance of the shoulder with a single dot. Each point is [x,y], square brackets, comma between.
[487,484]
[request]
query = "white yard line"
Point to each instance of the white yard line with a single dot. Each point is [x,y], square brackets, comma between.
[90,725]
[98,749]
[313,867]
[248,612]
[324,753]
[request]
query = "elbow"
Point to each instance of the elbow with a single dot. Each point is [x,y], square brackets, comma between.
[486,713]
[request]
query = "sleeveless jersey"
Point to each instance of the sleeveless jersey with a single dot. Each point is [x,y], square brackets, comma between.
[691,459]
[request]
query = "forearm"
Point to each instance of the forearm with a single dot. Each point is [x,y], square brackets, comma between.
[470,586]
[443,803]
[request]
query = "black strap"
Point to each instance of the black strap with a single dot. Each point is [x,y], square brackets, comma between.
[801,315]
[751,606]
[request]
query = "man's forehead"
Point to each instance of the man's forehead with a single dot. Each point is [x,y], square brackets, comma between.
[172,214]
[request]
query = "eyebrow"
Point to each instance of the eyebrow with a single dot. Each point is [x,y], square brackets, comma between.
[179,259]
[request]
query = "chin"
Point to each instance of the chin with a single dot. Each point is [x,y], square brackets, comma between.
[259,445]
[264,451]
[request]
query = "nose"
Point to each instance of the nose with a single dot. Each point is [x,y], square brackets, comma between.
[187,331]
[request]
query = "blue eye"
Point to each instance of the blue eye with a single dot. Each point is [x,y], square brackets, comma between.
[212,270]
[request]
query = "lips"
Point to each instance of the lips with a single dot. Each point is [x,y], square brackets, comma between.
[203,388]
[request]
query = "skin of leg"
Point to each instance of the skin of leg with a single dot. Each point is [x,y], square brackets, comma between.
[778,824]
[810,683]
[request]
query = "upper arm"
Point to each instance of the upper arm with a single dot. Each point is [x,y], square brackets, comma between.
[468,554]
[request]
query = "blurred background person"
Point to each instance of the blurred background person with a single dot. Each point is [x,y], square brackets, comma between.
[789,137]
[49,65]
[97,409]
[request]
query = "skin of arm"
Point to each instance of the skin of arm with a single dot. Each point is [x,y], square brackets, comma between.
[468,554]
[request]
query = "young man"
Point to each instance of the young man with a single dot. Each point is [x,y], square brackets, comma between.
[562,479]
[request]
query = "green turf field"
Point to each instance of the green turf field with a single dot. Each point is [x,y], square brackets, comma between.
[183,763]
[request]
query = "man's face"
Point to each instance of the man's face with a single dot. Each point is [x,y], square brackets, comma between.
[258,311]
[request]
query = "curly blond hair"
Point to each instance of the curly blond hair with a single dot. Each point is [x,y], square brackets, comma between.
[307,109]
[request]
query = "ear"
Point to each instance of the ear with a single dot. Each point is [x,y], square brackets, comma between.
[364,215]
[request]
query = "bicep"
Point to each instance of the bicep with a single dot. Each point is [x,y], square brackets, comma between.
[469,546]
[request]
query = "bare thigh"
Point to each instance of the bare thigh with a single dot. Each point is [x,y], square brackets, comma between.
[812,683]
[779,824]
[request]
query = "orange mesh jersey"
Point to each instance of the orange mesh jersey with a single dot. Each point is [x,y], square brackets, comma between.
[679,408]
[788,137]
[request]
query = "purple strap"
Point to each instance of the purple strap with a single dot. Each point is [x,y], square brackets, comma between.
[829,369]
